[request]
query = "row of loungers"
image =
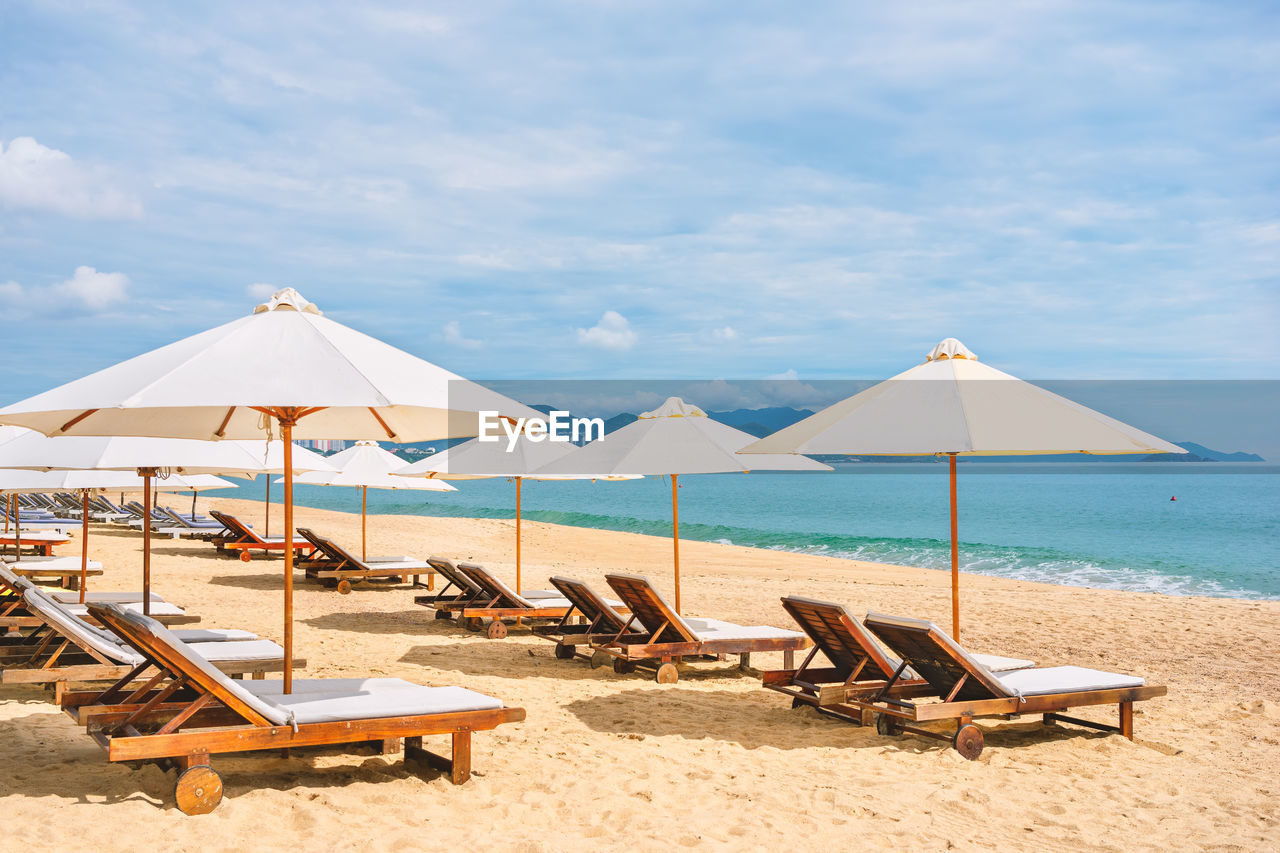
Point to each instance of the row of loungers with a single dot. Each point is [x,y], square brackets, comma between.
[930,678]
[177,697]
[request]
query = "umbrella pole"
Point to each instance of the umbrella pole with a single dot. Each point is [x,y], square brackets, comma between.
[675,531]
[364,524]
[955,554]
[518,482]
[147,474]
[266,506]
[194,493]
[286,430]
[17,530]
[84,542]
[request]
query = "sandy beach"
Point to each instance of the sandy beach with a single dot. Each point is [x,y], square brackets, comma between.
[607,761]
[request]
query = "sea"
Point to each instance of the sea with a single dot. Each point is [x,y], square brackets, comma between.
[1209,529]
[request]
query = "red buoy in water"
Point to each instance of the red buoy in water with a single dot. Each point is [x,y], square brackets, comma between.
[1174,498]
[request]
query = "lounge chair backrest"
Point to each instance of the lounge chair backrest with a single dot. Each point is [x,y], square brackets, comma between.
[454,574]
[651,609]
[590,604]
[493,587]
[74,629]
[174,517]
[316,541]
[233,524]
[158,643]
[337,552]
[938,659]
[843,639]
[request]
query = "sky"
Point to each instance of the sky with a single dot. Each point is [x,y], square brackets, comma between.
[650,190]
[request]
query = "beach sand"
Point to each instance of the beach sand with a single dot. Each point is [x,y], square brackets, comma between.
[610,762]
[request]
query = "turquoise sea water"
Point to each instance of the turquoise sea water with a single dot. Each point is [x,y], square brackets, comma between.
[1060,523]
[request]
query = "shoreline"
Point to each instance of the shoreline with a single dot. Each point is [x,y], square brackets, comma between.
[601,753]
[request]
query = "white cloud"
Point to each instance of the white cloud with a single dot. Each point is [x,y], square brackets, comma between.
[788,375]
[259,290]
[727,333]
[454,337]
[87,291]
[34,177]
[612,332]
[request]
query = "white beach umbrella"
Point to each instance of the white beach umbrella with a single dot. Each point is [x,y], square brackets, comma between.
[517,460]
[149,457]
[954,404]
[675,438]
[367,466]
[283,367]
[25,481]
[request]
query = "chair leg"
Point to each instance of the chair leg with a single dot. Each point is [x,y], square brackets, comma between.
[1126,719]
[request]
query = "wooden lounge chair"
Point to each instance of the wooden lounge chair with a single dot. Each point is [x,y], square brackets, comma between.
[338,567]
[590,619]
[856,664]
[499,601]
[65,649]
[14,615]
[665,637]
[191,711]
[461,590]
[242,538]
[965,690]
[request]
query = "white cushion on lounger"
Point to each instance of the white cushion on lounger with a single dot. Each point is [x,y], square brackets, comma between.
[275,687]
[245,650]
[213,635]
[158,608]
[716,629]
[1065,679]
[405,565]
[998,663]
[73,597]
[383,701]
[81,633]
[39,561]
[402,558]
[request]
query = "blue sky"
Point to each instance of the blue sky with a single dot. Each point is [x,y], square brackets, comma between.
[596,189]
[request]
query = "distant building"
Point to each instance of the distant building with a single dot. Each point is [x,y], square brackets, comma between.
[324,445]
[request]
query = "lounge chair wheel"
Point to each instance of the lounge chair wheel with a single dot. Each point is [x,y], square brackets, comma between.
[968,741]
[443,614]
[599,659]
[344,587]
[564,652]
[667,674]
[889,725]
[245,557]
[199,790]
[496,630]
[623,667]
[472,623]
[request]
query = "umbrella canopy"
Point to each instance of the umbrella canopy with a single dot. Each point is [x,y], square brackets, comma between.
[478,460]
[367,466]
[27,481]
[283,367]
[149,457]
[675,438]
[285,358]
[129,453]
[954,404]
[15,481]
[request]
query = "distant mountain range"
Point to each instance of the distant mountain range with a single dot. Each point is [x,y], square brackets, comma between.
[762,422]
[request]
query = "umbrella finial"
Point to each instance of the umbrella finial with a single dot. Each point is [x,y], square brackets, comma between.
[675,407]
[950,348]
[287,299]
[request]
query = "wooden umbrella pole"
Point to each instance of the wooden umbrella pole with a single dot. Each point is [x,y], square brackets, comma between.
[147,474]
[84,542]
[364,510]
[266,509]
[17,530]
[955,554]
[286,429]
[675,531]
[194,493]
[519,480]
